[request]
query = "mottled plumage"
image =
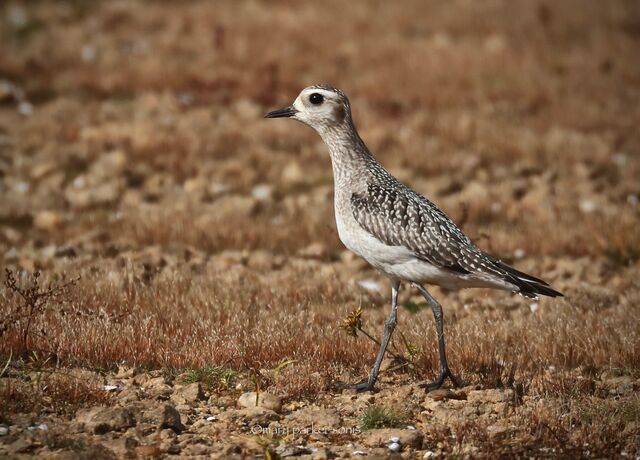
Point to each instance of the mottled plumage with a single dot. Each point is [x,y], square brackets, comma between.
[398,216]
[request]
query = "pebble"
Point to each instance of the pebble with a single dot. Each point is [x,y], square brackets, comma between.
[265,400]
[25,108]
[4,430]
[47,220]
[293,173]
[395,447]
[587,206]
[262,192]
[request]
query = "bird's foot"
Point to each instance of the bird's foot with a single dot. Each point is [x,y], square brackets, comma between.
[365,385]
[437,383]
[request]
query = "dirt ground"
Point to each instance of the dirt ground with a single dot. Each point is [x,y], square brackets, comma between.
[192,253]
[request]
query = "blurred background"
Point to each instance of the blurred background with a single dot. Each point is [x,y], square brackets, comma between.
[133,153]
[139,123]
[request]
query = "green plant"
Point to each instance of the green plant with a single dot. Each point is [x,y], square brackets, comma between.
[284,363]
[211,377]
[413,307]
[381,417]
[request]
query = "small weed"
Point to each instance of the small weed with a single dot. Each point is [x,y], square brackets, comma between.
[35,303]
[284,363]
[381,417]
[210,377]
[413,307]
[352,324]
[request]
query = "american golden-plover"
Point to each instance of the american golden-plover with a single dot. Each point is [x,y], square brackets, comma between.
[396,230]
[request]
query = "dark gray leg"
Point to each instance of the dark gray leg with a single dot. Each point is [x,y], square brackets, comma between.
[438,316]
[389,326]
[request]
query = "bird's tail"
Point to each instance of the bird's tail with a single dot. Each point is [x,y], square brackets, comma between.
[529,286]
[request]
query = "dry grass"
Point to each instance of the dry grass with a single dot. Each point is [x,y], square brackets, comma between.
[521,124]
[183,320]
[36,386]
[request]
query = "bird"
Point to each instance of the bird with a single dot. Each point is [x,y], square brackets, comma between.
[395,229]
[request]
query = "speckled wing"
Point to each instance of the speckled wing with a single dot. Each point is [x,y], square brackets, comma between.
[398,216]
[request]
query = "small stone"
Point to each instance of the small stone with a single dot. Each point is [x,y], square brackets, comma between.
[4,430]
[252,415]
[47,220]
[165,416]
[22,445]
[497,431]
[195,186]
[7,90]
[152,450]
[293,174]
[122,447]
[65,251]
[316,417]
[110,164]
[294,451]
[235,205]
[262,192]
[315,250]
[441,394]
[101,420]
[25,108]
[157,388]
[395,447]
[265,400]
[126,372]
[322,454]
[491,395]
[587,206]
[88,53]
[381,436]
[187,394]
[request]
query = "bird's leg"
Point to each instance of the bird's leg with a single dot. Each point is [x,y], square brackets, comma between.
[389,326]
[444,367]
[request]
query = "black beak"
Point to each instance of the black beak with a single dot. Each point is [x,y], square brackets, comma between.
[281,113]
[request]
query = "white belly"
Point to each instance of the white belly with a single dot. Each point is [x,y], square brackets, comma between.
[356,239]
[400,263]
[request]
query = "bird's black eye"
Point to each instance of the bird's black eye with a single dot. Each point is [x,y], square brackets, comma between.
[316,99]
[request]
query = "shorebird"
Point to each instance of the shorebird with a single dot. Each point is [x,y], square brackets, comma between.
[395,229]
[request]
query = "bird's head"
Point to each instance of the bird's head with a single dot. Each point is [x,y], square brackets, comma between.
[321,107]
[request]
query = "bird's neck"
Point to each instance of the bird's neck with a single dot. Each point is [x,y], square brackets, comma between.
[350,157]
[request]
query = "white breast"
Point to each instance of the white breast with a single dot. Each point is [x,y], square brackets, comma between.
[398,262]
[361,242]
